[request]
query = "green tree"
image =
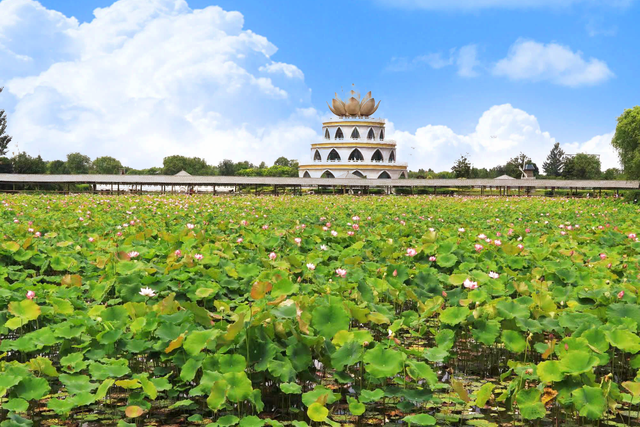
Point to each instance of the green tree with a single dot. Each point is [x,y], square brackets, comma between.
[24,163]
[582,166]
[512,168]
[5,165]
[4,138]
[57,167]
[281,161]
[612,174]
[193,165]
[107,165]
[462,168]
[227,168]
[555,161]
[78,163]
[627,141]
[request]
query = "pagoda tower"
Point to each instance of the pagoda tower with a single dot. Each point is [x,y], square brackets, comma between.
[354,144]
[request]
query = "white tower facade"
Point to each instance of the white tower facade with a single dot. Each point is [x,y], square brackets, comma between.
[354,145]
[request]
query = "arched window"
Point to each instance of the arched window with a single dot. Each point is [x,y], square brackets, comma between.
[377,156]
[384,175]
[392,157]
[327,174]
[355,134]
[403,175]
[317,157]
[334,156]
[356,156]
[371,135]
[358,174]
[326,134]
[339,134]
[381,134]
[306,175]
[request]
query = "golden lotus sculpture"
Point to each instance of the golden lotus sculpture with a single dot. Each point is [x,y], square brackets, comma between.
[354,107]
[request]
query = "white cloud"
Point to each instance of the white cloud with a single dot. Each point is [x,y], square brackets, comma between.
[467,61]
[146,79]
[502,132]
[530,60]
[498,4]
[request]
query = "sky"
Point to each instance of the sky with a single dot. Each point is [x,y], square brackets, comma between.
[249,79]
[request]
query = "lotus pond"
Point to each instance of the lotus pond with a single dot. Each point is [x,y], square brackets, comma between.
[200,310]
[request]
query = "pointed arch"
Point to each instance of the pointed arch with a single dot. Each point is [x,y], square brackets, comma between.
[306,174]
[377,156]
[356,156]
[392,156]
[358,174]
[371,135]
[334,156]
[403,175]
[381,135]
[355,134]
[317,157]
[326,134]
[384,175]
[327,174]
[339,134]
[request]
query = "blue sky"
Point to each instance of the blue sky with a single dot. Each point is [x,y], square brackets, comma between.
[142,79]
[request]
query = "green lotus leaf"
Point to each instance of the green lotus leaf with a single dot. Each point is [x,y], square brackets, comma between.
[511,309]
[420,420]
[367,396]
[514,341]
[576,362]
[422,371]
[347,355]
[447,260]
[454,315]
[252,421]
[589,402]
[218,395]
[486,331]
[484,394]
[73,362]
[317,412]
[624,340]
[32,388]
[531,407]
[550,371]
[329,319]
[319,392]
[60,407]
[232,363]
[299,355]
[355,407]
[240,386]
[380,362]
[16,405]
[290,388]
[227,420]
[198,340]
[189,369]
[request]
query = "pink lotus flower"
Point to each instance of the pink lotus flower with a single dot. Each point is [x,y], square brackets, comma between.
[31,295]
[133,254]
[325,229]
[178,253]
[632,236]
[38,234]
[265,227]
[355,227]
[469,284]
[620,294]
[80,219]
[311,266]
[351,233]
[16,221]
[323,247]
[482,236]
[244,222]
[461,230]
[198,257]
[119,234]
[497,242]
[334,233]
[147,292]
[478,247]
[355,218]
[411,252]
[272,256]
[328,225]
[298,240]
[520,246]
[432,258]
[493,275]
[91,239]
[563,232]
[603,256]
[444,294]
[30,230]
[527,230]
[189,226]
[498,234]
[395,273]
[240,240]
[341,272]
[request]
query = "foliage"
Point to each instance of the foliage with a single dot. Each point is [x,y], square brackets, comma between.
[126,306]
[107,165]
[462,167]
[5,139]
[582,166]
[513,166]
[627,141]
[57,167]
[78,163]
[555,161]
[24,163]
[193,165]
